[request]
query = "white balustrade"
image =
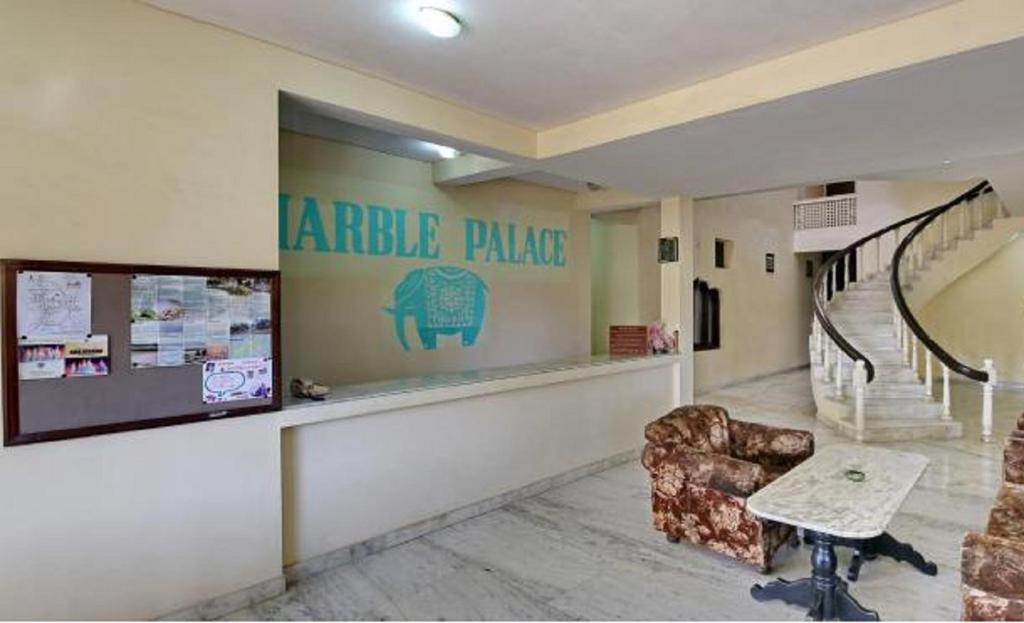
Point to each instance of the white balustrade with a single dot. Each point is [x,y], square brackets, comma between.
[905,341]
[826,367]
[896,323]
[823,212]
[818,342]
[913,353]
[946,396]
[928,373]
[988,389]
[839,373]
[860,382]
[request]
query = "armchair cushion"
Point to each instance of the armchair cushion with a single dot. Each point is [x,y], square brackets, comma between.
[1006,519]
[715,471]
[993,564]
[1013,458]
[777,449]
[979,605]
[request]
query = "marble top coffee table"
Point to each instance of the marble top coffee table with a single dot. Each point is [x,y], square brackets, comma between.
[845,494]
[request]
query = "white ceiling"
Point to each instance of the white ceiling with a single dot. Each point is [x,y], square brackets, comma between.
[964,107]
[545,62]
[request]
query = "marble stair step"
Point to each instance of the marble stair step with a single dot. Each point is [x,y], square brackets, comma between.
[857,296]
[884,375]
[901,408]
[879,329]
[881,343]
[873,304]
[895,390]
[904,430]
[870,286]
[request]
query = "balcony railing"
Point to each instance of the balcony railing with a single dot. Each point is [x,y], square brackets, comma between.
[823,212]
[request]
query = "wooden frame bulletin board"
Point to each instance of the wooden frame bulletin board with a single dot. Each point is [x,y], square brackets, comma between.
[127,395]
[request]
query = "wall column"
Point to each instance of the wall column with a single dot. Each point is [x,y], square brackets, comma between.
[677,285]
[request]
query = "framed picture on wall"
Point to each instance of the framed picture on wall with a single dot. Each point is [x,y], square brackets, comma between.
[668,250]
[769,262]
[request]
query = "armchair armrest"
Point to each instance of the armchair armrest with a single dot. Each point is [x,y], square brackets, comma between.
[993,564]
[769,446]
[715,471]
[1013,458]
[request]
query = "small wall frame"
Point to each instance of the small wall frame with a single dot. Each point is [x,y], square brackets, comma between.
[668,250]
[124,397]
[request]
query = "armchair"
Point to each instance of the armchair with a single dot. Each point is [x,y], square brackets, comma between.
[704,466]
[992,563]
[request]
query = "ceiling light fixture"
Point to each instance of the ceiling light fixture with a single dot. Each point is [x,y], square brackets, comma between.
[947,162]
[439,22]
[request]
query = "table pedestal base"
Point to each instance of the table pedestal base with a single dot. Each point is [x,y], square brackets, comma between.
[886,545]
[824,594]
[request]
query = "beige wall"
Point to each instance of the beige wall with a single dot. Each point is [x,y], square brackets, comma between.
[625,274]
[335,326]
[134,135]
[981,315]
[765,318]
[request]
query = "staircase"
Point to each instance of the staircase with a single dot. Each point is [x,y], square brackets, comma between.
[871,362]
[896,405]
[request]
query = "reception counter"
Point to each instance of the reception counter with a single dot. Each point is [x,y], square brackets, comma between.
[365,398]
[380,463]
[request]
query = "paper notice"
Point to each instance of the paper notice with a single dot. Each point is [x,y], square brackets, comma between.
[40,360]
[54,304]
[228,380]
[87,357]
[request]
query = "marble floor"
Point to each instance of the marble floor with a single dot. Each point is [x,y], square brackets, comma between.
[586,550]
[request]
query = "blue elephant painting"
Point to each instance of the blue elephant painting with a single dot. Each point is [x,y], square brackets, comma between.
[444,300]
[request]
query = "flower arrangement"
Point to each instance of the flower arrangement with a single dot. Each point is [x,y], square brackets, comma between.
[659,340]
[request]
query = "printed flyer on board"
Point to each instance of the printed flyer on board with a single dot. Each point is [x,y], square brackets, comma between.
[53,359]
[180,320]
[228,380]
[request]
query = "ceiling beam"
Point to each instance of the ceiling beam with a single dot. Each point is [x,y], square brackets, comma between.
[472,169]
[952,29]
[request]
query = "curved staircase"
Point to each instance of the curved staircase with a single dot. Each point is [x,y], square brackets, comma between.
[896,406]
[872,368]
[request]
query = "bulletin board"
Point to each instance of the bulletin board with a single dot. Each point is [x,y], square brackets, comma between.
[76,362]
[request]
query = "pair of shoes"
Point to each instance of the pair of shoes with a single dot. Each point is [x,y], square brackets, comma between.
[308,388]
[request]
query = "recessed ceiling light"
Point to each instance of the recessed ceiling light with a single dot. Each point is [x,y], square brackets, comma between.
[446,152]
[947,162]
[439,22]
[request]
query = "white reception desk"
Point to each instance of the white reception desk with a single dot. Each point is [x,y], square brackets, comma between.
[441,448]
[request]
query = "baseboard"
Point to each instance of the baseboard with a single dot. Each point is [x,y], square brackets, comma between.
[226,604]
[751,379]
[356,551]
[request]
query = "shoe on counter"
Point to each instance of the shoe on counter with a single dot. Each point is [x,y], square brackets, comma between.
[308,388]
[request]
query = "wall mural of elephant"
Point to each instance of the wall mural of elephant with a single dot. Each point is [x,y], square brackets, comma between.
[444,300]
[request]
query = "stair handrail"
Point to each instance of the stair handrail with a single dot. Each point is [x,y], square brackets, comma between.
[821,298]
[929,343]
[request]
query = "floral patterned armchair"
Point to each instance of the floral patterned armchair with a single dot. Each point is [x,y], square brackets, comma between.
[703,467]
[992,563]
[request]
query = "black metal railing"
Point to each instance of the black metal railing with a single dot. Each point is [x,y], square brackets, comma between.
[895,283]
[847,260]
